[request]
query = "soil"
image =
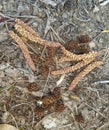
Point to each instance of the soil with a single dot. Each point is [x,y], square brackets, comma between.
[87,106]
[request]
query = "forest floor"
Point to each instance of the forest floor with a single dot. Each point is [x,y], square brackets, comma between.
[86,107]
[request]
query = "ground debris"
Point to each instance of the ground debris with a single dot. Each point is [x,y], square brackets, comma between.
[59,21]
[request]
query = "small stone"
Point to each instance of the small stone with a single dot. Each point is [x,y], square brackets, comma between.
[96,9]
[91,44]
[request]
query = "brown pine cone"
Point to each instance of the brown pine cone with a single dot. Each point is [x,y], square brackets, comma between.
[40,112]
[59,106]
[79,118]
[57,92]
[84,39]
[32,87]
[48,100]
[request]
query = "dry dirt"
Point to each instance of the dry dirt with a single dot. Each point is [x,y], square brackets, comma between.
[87,106]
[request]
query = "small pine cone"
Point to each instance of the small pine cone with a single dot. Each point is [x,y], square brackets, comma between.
[82,74]
[50,108]
[59,106]
[72,45]
[72,68]
[79,118]
[26,27]
[44,70]
[40,112]
[79,57]
[32,87]
[84,39]
[57,92]
[48,100]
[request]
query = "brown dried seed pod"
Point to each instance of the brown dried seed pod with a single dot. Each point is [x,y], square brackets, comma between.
[24,49]
[77,48]
[40,112]
[59,106]
[72,68]
[84,39]
[32,87]
[47,100]
[78,57]
[44,70]
[72,45]
[79,118]
[50,108]
[89,68]
[26,27]
[34,38]
[57,92]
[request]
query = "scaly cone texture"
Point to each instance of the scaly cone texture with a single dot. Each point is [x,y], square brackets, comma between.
[72,68]
[24,49]
[82,74]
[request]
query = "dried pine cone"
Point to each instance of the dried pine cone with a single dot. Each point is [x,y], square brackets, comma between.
[84,39]
[71,46]
[44,70]
[50,108]
[48,100]
[40,112]
[79,118]
[57,92]
[32,87]
[59,106]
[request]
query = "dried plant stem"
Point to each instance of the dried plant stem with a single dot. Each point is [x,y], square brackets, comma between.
[34,38]
[76,57]
[89,68]
[72,68]
[24,49]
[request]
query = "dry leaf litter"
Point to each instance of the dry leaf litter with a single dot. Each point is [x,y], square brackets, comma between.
[45,43]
